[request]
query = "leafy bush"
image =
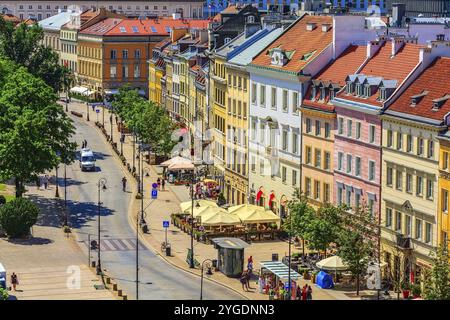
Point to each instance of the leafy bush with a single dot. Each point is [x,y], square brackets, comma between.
[2,199]
[17,217]
[3,294]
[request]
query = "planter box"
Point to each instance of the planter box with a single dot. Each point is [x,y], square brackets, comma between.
[405,294]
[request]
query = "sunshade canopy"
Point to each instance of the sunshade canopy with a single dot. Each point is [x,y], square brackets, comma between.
[254,214]
[176,160]
[279,269]
[205,211]
[245,209]
[219,218]
[334,263]
[202,203]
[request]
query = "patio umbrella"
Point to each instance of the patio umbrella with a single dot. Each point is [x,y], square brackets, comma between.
[256,216]
[220,218]
[205,211]
[181,166]
[175,160]
[333,263]
[245,209]
[202,203]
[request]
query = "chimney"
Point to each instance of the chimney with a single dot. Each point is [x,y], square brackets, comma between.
[373,46]
[397,44]
[310,26]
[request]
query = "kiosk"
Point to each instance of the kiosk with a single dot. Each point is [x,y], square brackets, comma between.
[230,255]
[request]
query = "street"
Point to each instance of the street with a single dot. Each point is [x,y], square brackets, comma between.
[158,280]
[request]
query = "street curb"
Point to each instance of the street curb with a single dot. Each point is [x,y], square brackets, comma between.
[147,244]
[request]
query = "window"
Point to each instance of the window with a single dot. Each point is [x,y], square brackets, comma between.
[388,222]
[327,130]
[239,82]
[372,134]
[408,182]
[326,193]
[389,138]
[274,97]
[409,143]
[308,125]
[398,221]
[349,163]
[262,95]
[317,128]
[358,166]
[327,160]
[428,232]
[445,160]
[234,81]
[285,101]
[348,197]
[408,225]
[418,229]
[444,199]
[113,71]
[358,130]
[137,54]
[244,80]
[113,54]
[254,92]
[349,87]
[429,189]
[294,177]
[349,128]
[340,160]
[371,207]
[283,174]
[294,102]
[308,155]
[371,170]
[419,186]
[125,54]
[398,180]
[339,195]
[430,149]
[317,158]
[137,71]
[316,190]
[340,125]
[253,164]
[419,146]
[294,143]
[308,187]
[389,177]
[284,140]
[399,141]
[261,166]
[262,129]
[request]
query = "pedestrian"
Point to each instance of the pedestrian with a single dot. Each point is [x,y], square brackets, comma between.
[243,280]
[14,280]
[124,184]
[85,143]
[247,278]
[299,293]
[261,283]
[45,181]
[163,183]
[304,292]
[158,182]
[309,293]
[117,120]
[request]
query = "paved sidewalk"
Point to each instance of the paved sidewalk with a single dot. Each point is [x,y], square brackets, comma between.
[168,202]
[46,262]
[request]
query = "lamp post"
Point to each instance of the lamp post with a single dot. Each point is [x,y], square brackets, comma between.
[137,256]
[111,122]
[122,140]
[134,151]
[289,261]
[66,219]
[56,175]
[208,264]
[87,105]
[101,186]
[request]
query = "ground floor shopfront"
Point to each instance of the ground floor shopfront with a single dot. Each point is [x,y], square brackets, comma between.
[236,188]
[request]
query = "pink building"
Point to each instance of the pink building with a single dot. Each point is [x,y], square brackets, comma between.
[357,147]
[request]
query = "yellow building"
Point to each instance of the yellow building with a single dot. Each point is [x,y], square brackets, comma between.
[444,189]
[157,70]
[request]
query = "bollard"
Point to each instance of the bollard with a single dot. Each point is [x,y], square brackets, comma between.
[124,297]
[119,292]
[93,264]
[108,280]
[114,285]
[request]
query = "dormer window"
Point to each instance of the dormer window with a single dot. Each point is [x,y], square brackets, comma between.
[437,103]
[382,96]
[251,19]
[310,26]
[359,89]
[416,98]
[313,93]
[367,91]
[323,93]
[349,87]
[332,94]
[227,39]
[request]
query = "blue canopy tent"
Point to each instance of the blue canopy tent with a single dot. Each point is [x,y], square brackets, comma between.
[324,280]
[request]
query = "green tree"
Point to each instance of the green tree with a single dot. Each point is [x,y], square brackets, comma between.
[357,240]
[18,216]
[4,294]
[34,128]
[23,45]
[437,281]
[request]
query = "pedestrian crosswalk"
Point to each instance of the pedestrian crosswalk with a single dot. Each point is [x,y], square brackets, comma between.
[118,245]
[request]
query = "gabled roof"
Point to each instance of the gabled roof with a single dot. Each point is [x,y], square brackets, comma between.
[432,84]
[102,27]
[303,44]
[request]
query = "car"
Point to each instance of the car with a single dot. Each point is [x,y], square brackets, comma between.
[87,160]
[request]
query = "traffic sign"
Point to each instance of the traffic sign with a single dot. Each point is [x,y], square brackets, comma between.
[154,185]
[166,224]
[154,193]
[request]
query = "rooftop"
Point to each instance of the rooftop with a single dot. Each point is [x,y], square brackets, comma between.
[302,41]
[57,21]
[102,27]
[430,87]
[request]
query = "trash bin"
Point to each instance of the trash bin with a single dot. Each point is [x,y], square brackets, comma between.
[274,256]
[144,228]
[168,250]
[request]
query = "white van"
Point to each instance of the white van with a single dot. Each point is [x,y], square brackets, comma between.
[87,160]
[2,277]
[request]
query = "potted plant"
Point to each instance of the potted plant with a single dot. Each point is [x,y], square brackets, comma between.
[406,287]
[416,290]
[66,229]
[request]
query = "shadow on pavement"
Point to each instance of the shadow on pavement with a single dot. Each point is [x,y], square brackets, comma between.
[81,213]
[31,241]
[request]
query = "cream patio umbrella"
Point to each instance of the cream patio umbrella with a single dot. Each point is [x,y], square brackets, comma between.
[186,206]
[205,211]
[220,218]
[254,215]
[333,263]
[245,209]
[176,160]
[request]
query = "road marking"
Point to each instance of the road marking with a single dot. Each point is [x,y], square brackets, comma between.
[118,245]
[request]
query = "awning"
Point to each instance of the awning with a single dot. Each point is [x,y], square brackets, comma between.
[280,270]
[81,90]
[111,91]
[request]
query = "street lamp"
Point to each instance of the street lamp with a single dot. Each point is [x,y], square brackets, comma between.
[111,122]
[66,219]
[289,261]
[208,264]
[56,175]
[122,140]
[87,105]
[101,184]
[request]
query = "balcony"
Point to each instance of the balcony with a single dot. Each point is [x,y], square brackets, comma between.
[271,152]
[403,242]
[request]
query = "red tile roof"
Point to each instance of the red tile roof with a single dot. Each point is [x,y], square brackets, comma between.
[301,41]
[336,72]
[102,27]
[11,18]
[159,27]
[434,80]
[384,65]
